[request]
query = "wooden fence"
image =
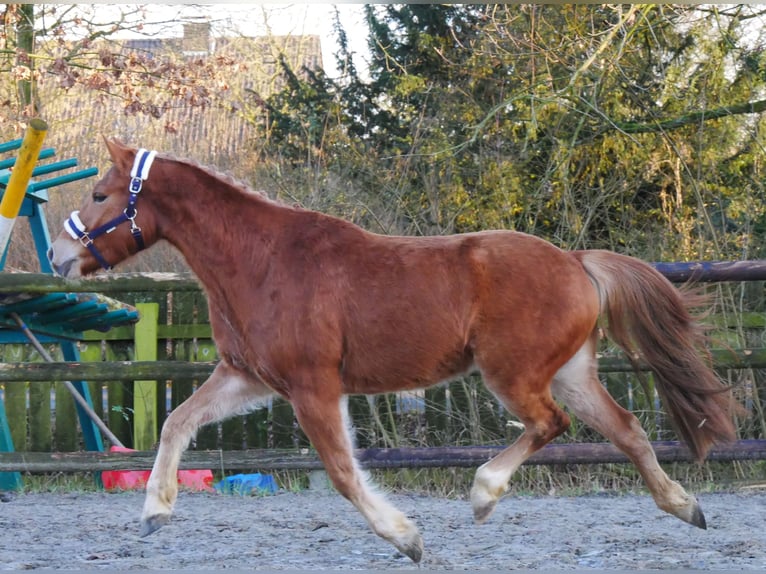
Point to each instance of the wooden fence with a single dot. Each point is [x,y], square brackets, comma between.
[138,374]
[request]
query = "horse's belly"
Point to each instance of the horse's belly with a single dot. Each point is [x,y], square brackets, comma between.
[374,373]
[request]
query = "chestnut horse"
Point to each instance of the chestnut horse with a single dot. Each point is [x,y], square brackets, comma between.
[314,308]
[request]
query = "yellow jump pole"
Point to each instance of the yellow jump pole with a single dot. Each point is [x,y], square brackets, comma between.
[20,176]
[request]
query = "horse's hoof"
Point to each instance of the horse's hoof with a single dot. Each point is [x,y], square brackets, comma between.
[698,519]
[153,523]
[485,493]
[413,550]
[482,513]
[483,504]
[690,512]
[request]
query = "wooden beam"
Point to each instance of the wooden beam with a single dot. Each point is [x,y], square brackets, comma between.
[145,419]
[678,272]
[195,331]
[104,371]
[713,271]
[170,370]
[112,283]
[404,457]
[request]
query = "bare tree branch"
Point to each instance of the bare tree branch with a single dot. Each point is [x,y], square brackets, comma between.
[692,118]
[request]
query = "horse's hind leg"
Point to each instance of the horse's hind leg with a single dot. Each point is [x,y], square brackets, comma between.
[577,385]
[528,397]
[224,394]
[322,415]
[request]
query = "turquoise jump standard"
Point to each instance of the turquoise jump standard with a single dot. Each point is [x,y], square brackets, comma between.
[57,318]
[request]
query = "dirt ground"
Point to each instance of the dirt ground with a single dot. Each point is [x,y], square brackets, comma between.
[321,531]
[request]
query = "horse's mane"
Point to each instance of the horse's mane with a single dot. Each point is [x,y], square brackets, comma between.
[224,177]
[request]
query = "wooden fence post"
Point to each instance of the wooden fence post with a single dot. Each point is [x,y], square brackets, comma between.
[207,436]
[145,392]
[183,313]
[16,400]
[91,352]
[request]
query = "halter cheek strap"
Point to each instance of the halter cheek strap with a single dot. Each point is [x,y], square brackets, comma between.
[77,230]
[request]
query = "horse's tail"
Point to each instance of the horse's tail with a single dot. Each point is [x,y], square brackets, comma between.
[650,320]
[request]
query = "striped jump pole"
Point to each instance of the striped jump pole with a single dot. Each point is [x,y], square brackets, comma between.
[19,179]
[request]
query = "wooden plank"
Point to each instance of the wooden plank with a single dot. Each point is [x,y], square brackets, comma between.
[386,427]
[459,420]
[40,418]
[132,370]
[92,353]
[207,437]
[194,331]
[706,271]
[65,418]
[183,330]
[145,391]
[411,457]
[127,370]
[579,453]
[120,398]
[257,428]
[161,354]
[361,419]
[164,353]
[233,433]
[176,331]
[713,271]
[182,312]
[91,435]
[112,283]
[16,399]
[123,388]
[489,422]
[436,415]
[65,429]
[282,419]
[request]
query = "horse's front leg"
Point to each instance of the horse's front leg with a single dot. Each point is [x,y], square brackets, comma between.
[322,414]
[227,392]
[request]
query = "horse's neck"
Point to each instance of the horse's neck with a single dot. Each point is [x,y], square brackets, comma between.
[210,222]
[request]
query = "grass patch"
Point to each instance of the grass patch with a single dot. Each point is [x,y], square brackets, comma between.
[577,480]
[60,482]
[561,480]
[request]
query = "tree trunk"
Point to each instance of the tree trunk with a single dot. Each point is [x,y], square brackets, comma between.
[25,47]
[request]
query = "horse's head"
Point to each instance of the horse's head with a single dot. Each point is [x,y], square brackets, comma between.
[110,226]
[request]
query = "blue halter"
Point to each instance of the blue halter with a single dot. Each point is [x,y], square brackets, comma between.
[138,175]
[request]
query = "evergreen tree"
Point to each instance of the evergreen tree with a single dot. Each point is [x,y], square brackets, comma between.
[630,127]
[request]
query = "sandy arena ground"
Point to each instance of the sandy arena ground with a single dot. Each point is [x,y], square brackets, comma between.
[321,531]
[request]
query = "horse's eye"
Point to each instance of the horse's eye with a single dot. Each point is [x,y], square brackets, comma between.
[99,198]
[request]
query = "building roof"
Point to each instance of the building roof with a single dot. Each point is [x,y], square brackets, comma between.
[78,117]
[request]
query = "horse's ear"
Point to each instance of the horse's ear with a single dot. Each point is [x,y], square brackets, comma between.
[122,155]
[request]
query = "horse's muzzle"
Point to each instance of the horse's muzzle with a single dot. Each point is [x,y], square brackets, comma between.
[62,269]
